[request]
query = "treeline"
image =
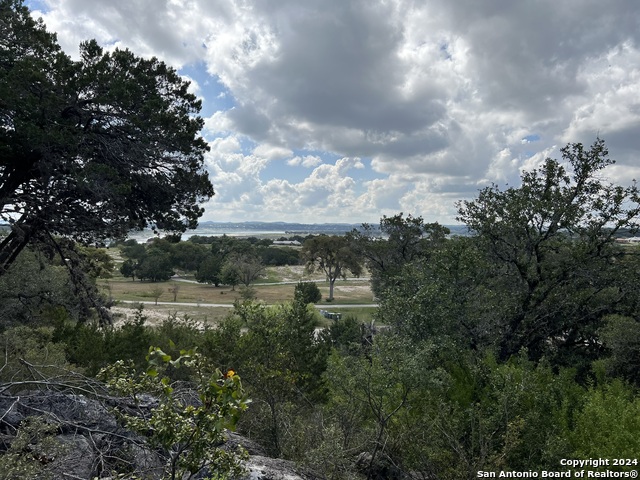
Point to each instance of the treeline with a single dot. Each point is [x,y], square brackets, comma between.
[214,260]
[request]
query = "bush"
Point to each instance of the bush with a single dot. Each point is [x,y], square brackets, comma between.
[187,433]
[609,424]
[307,292]
[24,346]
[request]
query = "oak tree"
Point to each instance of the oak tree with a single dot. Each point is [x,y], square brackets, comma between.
[397,241]
[331,255]
[552,238]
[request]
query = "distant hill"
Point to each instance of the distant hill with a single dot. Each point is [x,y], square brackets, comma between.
[297,228]
[288,228]
[279,227]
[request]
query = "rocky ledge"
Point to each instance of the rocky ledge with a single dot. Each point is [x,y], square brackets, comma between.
[75,436]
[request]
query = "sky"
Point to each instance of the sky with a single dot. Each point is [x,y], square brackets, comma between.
[347,110]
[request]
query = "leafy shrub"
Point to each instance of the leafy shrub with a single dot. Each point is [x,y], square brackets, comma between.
[24,345]
[609,424]
[307,292]
[186,431]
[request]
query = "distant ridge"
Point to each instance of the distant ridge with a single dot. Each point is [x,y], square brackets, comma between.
[286,228]
[293,227]
[280,226]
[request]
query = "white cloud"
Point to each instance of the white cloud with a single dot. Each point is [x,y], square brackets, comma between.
[308,161]
[442,97]
[194,87]
[270,152]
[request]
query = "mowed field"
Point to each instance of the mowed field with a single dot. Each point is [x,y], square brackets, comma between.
[195,300]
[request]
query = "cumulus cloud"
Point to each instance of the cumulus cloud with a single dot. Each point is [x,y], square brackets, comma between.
[439,97]
[271,152]
[308,161]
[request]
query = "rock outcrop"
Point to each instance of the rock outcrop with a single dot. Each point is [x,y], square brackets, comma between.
[91,444]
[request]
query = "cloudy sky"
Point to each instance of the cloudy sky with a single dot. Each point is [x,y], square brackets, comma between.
[345,110]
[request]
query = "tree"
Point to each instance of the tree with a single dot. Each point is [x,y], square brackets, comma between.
[94,148]
[248,267]
[283,361]
[621,337]
[188,256]
[133,250]
[173,290]
[373,390]
[333,256]
[455,294]
[128,269]
[398,241]
[156,266]
[209,270]
[156,293]
[229,275]
[33,289]
[552,238]
[279,256]
[98,262]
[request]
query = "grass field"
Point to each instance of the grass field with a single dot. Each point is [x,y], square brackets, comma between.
[191,298]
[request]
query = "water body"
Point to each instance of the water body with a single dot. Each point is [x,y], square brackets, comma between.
[255,229]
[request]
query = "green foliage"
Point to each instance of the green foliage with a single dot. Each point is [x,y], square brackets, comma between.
[222,344]
[279,256]
[453,295]
[188,256]
[396,242]
[307,292]
[32,288]
[112,138]
[133,250]
[33,446]
[345,335]
[542,272]
[621,337]
[93,347]
[97,262]
[209,270]
[552,239]
[128,269]
[369,392]
[609,424]
[230,275]
[244,267]
[156,266]
[331,255]
[248,293]
[282,361]
[187,432]
[21,346]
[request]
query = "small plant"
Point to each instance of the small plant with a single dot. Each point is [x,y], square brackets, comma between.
[248,293]
[188,424]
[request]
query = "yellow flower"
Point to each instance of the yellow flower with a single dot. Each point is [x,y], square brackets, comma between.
[230,373]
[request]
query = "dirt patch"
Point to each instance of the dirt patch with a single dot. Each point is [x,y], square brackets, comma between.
[122,314]
[353,288]
[153,317]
